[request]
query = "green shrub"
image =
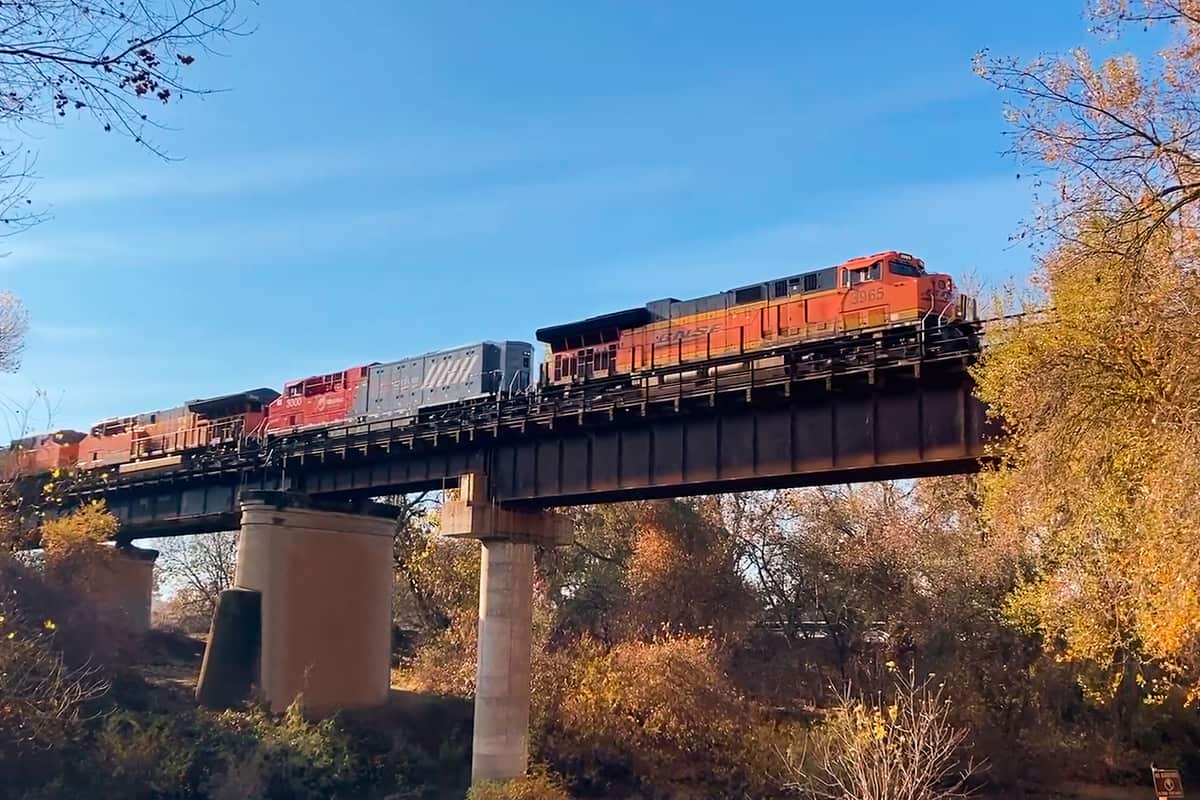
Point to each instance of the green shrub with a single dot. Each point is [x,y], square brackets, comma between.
[195,755]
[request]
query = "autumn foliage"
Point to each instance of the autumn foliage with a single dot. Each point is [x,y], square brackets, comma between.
[1099,390]
[539,785]
[1114,138]
[658,718]
[1101,400]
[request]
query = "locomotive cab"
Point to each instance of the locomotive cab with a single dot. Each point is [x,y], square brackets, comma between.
[900,280]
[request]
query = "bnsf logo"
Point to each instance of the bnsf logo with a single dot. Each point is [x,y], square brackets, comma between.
[684,334]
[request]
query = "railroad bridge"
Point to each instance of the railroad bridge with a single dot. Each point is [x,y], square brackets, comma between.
[311,607]
[848,411]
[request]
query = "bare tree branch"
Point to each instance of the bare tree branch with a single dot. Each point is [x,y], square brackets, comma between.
[105,59]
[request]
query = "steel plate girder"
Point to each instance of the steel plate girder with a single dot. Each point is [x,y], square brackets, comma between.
[898,428]
[922,430]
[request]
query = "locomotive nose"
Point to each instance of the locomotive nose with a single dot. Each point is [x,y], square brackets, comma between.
[940,285]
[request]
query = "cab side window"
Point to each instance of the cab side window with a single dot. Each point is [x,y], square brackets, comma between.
[871,273]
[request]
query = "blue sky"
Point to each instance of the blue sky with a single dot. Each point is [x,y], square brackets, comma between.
[409,176]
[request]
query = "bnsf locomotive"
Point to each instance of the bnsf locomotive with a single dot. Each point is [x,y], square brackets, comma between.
[869,293]
[864,297]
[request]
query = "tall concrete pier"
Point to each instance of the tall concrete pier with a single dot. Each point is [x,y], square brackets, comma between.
[500,748]
[326,583]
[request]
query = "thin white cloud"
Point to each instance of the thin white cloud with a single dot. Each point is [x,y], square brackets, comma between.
[66,332]
[473,212]
[289,168]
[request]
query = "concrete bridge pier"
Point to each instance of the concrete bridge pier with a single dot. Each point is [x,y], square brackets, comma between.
[325,579]
[122,585]
[500,746]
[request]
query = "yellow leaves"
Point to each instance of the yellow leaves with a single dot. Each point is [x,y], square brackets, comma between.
[665,707]
[1102,400]
[49,625]
[879,730]
[80,534]
[539,785]
[654,555]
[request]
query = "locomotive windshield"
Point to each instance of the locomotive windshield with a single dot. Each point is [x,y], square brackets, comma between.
[900,268]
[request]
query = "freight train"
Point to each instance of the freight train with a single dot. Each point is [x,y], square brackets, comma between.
[889,292]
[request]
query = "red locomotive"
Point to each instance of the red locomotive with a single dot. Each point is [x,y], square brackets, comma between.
[318,400]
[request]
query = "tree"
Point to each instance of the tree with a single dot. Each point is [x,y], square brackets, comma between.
[14,323]
[80,537]
[825,563]
[437,577]
[106,60]
[1101,402]
[587,578]
[638,569]
[1098,395]
[196,569]
[683,575]
[1120,138]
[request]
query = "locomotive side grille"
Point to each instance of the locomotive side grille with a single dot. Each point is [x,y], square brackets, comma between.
[449,371]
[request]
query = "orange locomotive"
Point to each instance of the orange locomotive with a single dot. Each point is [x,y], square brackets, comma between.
[45,452]
[885,289]
[152,440]
[162,438]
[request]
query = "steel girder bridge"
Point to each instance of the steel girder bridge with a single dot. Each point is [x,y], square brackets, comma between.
[860,408]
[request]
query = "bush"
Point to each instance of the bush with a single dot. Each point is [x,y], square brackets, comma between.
[874,748]
[657,719]
[44,705]
[539,785]
[194,754]
[50,684]
[445,665]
